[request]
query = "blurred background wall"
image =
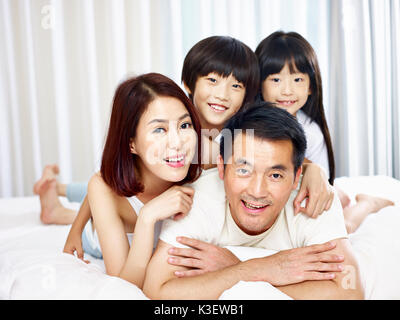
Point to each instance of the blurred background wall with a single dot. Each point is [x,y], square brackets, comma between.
[61,60]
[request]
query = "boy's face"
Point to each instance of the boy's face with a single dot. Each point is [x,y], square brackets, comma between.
[217,99]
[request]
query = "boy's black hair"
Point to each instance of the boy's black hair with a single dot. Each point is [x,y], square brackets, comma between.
[280,48]
[223,55]
[269,123]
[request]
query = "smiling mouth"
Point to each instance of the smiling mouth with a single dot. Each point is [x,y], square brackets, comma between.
[287,102]
[175,162]
[217,107]
[253,206]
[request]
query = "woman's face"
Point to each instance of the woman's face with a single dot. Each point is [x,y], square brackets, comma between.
[165,140]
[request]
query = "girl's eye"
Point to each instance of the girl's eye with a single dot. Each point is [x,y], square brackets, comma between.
[237,86]
[213,80]
[298,79]
[159,130]
[275,79]
[186,125]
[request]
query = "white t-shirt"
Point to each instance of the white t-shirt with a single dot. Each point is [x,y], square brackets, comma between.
[210,220]
[316,151]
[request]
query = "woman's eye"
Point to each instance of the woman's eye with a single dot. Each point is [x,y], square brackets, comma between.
[159,130]
[186,125]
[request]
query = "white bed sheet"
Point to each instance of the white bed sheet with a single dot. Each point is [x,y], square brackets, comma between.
[32,265]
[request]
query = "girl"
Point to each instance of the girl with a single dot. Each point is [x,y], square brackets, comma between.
[290,78]
[151,142]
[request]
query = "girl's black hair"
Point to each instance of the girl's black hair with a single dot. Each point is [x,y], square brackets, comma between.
[280,48]
[223,55]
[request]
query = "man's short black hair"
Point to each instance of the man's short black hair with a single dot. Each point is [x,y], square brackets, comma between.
[268,122]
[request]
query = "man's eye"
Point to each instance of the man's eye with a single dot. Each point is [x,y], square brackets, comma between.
[242,172]
[276,175]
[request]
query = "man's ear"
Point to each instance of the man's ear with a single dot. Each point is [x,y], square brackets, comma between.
[187,88]
[132,146]
[297,177]
[220,165]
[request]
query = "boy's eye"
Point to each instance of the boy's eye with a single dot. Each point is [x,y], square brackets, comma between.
[213,80]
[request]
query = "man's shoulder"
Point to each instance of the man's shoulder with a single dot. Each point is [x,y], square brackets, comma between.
[305,230]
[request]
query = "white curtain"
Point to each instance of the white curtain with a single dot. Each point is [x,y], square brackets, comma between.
[61,61]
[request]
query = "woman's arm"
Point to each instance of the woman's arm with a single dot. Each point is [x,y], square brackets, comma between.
[74,239]
[106,207]
[177,202]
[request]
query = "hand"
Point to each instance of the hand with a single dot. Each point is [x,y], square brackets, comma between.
[317,191]
[202,256]
[74,243]
[176,202]
[298,265]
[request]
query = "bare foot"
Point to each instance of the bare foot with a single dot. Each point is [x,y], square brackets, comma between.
[49,172]
[52,211]
[374,203]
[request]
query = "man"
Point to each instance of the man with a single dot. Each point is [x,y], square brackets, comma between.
[247,201]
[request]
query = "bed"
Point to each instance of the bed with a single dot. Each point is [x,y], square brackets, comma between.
[32,265]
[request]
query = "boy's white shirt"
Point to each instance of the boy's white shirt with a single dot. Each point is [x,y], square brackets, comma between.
[210,220]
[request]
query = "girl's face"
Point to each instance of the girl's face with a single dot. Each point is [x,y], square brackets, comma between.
[287,90]
[165,140]
[217,98]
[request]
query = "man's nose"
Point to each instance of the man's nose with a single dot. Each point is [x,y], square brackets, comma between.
[258,187]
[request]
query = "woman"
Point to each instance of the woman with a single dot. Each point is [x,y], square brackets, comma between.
[149,153]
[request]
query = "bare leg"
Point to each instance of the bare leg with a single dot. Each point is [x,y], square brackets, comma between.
[52,211]
[366,204]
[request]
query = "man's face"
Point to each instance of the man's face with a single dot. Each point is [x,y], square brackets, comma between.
[258,179]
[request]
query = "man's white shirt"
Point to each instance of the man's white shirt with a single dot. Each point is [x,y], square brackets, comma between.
[210,220]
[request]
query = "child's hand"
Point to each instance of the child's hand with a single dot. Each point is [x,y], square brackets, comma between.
[317,191]
[74,243]
[176,202]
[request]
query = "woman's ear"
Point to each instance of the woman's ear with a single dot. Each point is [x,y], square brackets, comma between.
[132,146]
